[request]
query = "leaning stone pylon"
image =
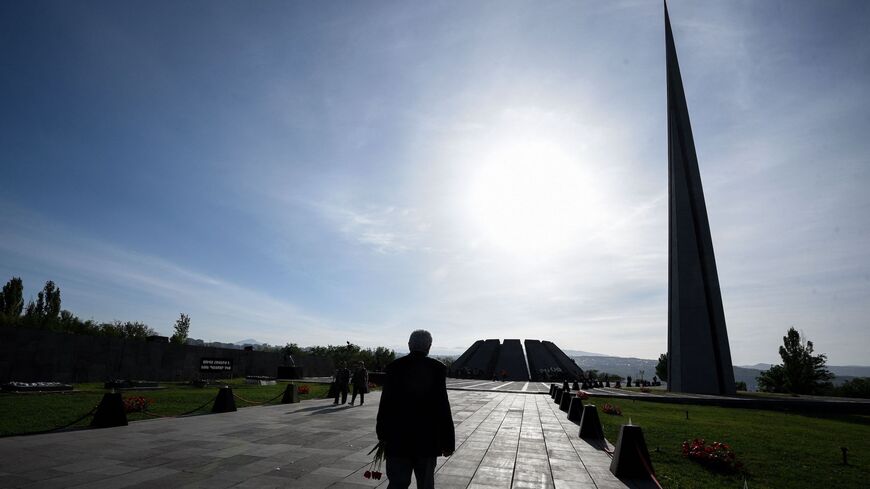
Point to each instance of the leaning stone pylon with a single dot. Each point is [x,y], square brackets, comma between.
[699,357]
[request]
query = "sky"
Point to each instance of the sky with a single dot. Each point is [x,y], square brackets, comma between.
[322,172]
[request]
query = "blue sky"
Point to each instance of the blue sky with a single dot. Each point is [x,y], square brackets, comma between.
[318,172]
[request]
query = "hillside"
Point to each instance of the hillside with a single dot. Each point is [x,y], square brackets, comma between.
[625,366]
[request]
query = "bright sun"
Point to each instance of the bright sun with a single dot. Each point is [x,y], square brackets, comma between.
[531,199]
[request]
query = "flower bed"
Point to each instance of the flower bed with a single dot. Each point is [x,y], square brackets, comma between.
[303,389]
[36,387]
[716,456]
[612,409]
[136,404]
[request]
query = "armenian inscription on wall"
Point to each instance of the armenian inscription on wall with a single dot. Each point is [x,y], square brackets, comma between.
[215,365]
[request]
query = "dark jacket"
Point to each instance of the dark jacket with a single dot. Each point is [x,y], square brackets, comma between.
[342,378]
[414,416]
[360,379]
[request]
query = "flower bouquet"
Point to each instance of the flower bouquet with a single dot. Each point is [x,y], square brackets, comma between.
[136,404]
[583,395]
[374,471]
[717,456]
[303,389]
[612,409]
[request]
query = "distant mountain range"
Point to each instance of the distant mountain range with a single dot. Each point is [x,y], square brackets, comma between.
[625,366]
[581,353]
[231,346]
[249,341]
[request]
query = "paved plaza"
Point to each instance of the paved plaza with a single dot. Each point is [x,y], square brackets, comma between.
[504,440]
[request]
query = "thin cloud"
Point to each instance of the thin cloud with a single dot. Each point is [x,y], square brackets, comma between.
[382,229]
[221,310]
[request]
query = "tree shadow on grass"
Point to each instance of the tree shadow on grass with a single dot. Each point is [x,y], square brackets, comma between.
[847,418]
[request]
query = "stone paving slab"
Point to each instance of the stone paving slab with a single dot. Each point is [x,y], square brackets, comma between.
[504,440]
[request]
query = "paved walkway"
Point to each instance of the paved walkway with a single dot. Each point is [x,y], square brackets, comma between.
[504,440]
[742,400]
[507,386]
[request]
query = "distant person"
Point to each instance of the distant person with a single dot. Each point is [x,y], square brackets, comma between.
[360,383]
[342,377]
[414,419]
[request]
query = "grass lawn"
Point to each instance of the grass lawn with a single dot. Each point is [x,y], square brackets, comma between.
[24,413]
[778,450]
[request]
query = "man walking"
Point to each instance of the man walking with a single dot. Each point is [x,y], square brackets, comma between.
[360,381]
[414,419]
[342,378]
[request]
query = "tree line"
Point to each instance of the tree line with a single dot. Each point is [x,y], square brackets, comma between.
[375,359]
[46,313]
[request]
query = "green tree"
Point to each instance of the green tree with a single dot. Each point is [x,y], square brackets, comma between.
[46,310]
[662,367]
[52,301]
[447,360]
[772,380]
[857,387]
[801,372]
[12,298]
[382,357]
[292,349]
[130,330]
[182,328]
[375,359]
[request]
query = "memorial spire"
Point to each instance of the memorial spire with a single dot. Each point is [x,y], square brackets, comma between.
[699,356]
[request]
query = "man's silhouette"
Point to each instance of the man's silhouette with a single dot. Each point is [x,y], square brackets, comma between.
[414,420]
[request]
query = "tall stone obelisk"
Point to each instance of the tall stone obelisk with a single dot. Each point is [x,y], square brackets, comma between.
[699,358]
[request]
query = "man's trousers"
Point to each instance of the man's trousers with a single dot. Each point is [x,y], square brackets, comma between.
[399,472]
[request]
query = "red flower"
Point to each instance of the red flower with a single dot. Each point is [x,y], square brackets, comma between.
[717,455]
[612,409]
[136,404]
[378,459]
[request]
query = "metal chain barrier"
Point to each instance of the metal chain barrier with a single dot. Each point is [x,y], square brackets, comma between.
[210,401]
[58,428]
[146,413]
[255,402]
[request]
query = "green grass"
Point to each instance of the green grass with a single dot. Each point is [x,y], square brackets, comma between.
[33,412]
[778,450]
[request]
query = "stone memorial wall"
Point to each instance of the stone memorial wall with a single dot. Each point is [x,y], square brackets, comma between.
[490,359]
[28,355]
[511,364]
